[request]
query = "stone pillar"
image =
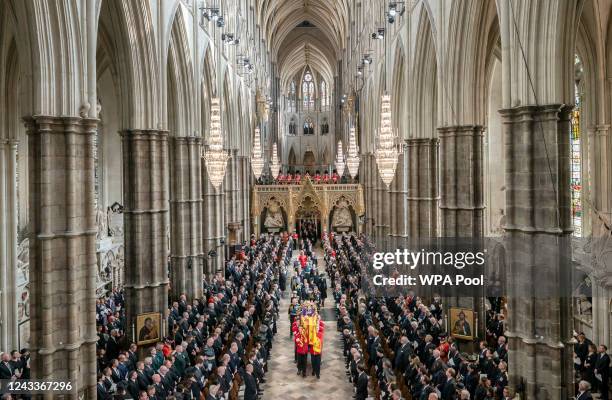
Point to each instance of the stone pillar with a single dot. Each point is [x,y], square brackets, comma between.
[395,196]
[423,187]
[600,161]
[382,207]
[213,223]
[145,170]
[62,250]
[248,180]
[186,269]
[8,245]
[538,233]
[240,199]
[231,188]
[461,201]
[366,179]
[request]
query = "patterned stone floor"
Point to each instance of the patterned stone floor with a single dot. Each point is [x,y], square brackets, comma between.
[282,379]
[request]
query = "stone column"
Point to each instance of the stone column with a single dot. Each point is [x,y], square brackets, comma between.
[245,185]
[423,187]
[461,201]
[231,188]
[186,269]
[240,197]
[366,179]
[8,245]
[145,170]
[213,223]
[538,232]
[62,250]
[394,195]
[382,207]
[600,162]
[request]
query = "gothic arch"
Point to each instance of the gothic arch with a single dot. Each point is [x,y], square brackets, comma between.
[399,105]
[463,76]
[425,81]
[128,27]
[208,90]
[180,75]
[292,159]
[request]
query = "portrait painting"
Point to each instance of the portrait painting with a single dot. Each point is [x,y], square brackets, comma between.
[148,328]
[461,323]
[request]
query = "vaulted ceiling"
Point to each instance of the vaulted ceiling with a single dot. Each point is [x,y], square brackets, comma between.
[305,32]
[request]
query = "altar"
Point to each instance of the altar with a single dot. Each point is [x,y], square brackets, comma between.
[277,208]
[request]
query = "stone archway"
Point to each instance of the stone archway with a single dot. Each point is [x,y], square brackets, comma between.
[309,160]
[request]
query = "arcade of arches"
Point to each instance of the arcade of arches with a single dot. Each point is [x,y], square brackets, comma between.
[502,110]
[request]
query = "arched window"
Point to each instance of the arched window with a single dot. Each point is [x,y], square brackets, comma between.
[324,98]
[308,127]
[292,97]
[308,91]
[575,155]
[324,127]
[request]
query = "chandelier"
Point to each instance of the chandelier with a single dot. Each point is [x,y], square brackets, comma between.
[352,159]
[387,152]
[340,159]
[274,166]
[215,157]
[257,159]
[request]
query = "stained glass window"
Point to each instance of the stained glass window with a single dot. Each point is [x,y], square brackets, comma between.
[308,91]
[292,97]
[576,165]
[324,101]
[97,177]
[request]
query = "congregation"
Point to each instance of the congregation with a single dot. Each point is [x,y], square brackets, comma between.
[398,348]
[216,347]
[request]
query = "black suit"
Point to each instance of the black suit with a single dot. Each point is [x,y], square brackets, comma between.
[143,380]
[448,390]
[402,358]
[133,388]
[603,368]
[102,392]
[362,386]
[584,396]
[6,371]
[250,390]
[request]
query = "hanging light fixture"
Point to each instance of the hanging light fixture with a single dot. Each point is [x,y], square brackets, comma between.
[274,166]
[340,159]
[387,152]
[215,157]
[352,160]
[257,159]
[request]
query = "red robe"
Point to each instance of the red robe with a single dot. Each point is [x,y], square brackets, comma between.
[301,342]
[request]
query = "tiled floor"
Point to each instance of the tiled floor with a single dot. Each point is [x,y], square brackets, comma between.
[282,379]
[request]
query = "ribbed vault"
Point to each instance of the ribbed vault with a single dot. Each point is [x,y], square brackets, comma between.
[304,32]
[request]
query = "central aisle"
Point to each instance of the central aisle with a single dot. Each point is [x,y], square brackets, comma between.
[282,381]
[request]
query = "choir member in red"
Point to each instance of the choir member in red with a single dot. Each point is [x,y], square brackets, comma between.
[335,177]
